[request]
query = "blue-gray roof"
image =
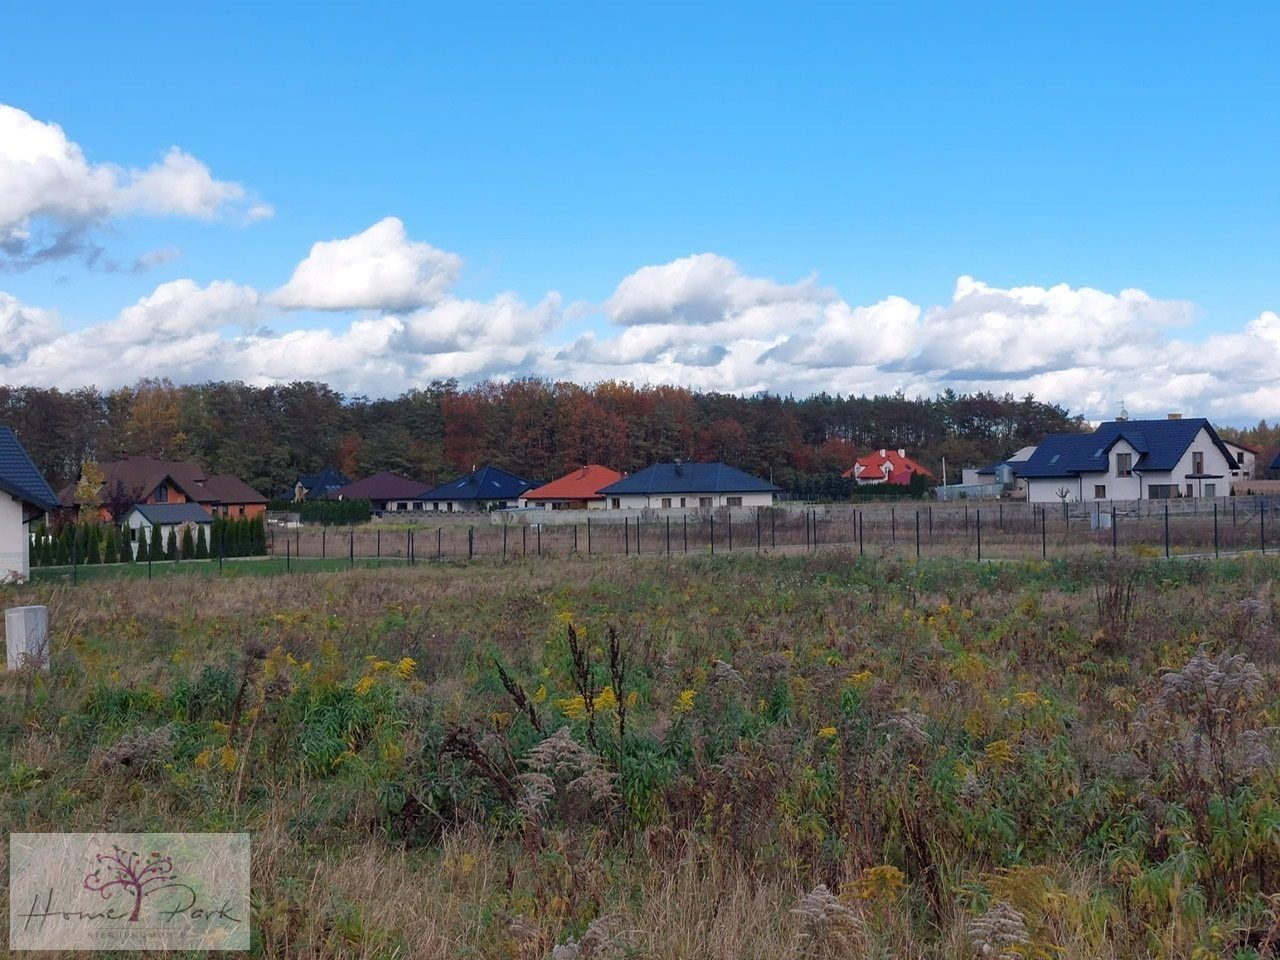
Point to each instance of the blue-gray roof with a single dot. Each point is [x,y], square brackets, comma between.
[163,514]
[1160,444]
[689,478]
[1275,464]
[487,483]
[20,477]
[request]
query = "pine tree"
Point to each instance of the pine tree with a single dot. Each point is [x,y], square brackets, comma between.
[110,552]
[61,549]
[143,553]
[156,547]
[92,546]
[33,552]
[259,536]
[202,547]
[188,543]
[171,547]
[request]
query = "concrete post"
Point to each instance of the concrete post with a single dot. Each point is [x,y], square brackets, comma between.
[26,632]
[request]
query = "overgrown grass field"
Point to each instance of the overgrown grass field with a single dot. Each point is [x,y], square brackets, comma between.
[730,757]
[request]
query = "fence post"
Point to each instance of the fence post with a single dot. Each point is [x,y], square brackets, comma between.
[757,529]
[1262,528]
[75,555]
[861,524]
[1215,529]
[524,540]
[639,520]
[668,536]
[978,528]
[729,520]
[713,534]
[287,558]
[378,550]
[917,534]
[1044,534]
[815,530]
[931,523]
[893,525]
[773,528]
[1115,536]
[575,538]
[588,536]
[471,542]
[504,539]
[686,533]
[806,530]
[626,536]
[1001,518]
[539,539]
[323,531]
[222,548]
[1166,531]
[439,545]
[351,548]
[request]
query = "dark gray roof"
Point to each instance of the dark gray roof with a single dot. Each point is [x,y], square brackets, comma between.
[689,478]
[173,513]
[1160,444]
[20,477]
[487,483]
[1275,464]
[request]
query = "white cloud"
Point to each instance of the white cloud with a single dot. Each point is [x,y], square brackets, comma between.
[378,269]
[50,194]
[698,322]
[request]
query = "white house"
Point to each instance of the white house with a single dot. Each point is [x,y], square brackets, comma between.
[1246,460]
[25,496]
[1130,460]
[689,486]
[143,517]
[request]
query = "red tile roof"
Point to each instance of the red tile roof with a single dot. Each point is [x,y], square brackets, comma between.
[871,467]
[582,484]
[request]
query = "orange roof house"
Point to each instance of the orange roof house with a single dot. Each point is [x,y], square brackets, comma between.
[579,490]
[885,466]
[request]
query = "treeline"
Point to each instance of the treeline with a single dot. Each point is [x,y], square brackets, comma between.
[93,543]
[267,436]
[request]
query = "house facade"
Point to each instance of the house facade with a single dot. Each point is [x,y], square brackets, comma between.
[578,490]
[25,496]
[169,517]
[1246,460]
[147,480]
[1130,460]
[489,488]
[689,486]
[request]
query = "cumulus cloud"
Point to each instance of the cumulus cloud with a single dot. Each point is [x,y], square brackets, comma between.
[51,195]
[699,322]
[378,269]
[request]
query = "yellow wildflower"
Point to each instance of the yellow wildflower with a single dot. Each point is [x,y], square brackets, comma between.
[406,667]
[540,694]
[1029,698]
[364,685]
[862,678]
[575,708]
[999,752]
[880,883]
[204,758]
[684,702]
[606,700]
[227,759]
[827,732]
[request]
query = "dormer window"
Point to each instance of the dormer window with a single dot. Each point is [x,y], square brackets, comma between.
[1124,464]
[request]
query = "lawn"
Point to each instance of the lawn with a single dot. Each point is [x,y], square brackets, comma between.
[728,757]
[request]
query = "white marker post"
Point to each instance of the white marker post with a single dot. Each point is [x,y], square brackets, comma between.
[26,633]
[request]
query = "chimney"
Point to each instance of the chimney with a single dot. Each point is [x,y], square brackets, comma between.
[884,452]
[1175,416]
[902,452]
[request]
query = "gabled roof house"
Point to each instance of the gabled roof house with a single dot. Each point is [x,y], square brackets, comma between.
[151,480]
[142,517]
[388,492]
[489,488]
[25,496]
[577,490]
[885,466]
[1131,460]
[688,486]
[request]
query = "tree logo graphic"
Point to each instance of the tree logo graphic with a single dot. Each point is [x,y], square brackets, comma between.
[130,872]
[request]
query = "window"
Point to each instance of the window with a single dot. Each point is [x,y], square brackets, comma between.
[1158,491]
[666,503]
[162,494]
[704,503]
[1099,491]
[1124,464]
[1210,490]
[1191,490]
[682,502]
[1197,462]
[733,501]
[617,503]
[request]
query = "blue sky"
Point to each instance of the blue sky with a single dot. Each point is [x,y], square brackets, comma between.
[888,151]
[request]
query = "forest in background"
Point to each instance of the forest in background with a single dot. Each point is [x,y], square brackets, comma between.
[536,428]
